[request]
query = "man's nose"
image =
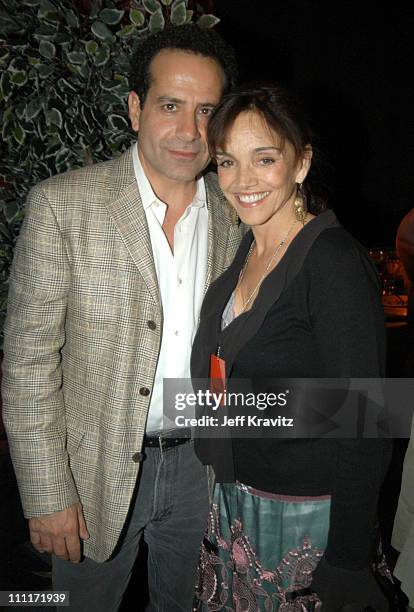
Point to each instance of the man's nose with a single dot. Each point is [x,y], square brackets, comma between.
[187,127]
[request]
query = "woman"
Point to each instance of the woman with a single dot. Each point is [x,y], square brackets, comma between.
[301,299]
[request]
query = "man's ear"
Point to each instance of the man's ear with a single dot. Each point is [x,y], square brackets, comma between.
[304,164]
[134,108]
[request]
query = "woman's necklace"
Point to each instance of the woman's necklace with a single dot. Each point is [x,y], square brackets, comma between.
[247,301]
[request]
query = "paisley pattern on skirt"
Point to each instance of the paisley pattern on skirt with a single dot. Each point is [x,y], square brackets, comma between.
[260,550]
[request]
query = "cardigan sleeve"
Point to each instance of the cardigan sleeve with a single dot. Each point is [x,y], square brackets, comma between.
[348,324]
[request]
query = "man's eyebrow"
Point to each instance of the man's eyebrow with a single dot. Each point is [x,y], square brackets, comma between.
[169,99]
[179,101]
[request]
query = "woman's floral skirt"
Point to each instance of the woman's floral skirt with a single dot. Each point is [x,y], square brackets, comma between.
[260,550]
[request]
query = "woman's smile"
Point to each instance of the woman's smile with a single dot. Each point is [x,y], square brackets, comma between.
[248,200]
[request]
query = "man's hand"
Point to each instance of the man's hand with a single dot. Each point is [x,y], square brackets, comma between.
[60,532]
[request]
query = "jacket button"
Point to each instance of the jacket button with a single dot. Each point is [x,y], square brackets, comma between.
[152,325]
[137,457]
[144,391]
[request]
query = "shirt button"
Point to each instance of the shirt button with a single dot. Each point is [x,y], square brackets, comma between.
[137,457]
[152,325]
[180,280]
[144,391]
[176,333]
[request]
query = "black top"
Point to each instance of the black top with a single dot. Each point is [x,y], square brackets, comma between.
[317,314]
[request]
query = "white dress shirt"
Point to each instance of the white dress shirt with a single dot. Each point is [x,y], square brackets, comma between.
[181,278]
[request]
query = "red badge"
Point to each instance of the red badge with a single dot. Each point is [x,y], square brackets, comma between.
[218,376]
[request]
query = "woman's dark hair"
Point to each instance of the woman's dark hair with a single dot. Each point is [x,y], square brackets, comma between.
[189,38]
[283,114]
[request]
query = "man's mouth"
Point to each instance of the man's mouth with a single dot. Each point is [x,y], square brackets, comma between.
[183,154]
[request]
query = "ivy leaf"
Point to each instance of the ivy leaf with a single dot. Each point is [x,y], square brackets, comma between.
[33,108]
[8,114]
[71,18]
[9,24]
[33,61]
[112,85]
[54,117]
[20,110]
[136,17]
[95,6]
[62,39]
[17,64]
[102,56]
[111,16]
[5,86]
[91,47]
[52,150]
[152,6]
[19,78]
[62,156]
[178,13]
[54,137]
[87,116]
[6,131]
[156,22]
[64,85]
[207,21]
[52,17]
[82,70]
[71,130]
[45,31]
[101,31]
[18,134]
[166,2]
[76,58]
[47,49]
[45,71]
[122,78]
[189,16]
[126,32]
[117,122]
[4,54]
[12,209]
[46,5]
[108,101]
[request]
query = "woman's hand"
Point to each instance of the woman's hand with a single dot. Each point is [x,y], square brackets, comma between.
[343,590]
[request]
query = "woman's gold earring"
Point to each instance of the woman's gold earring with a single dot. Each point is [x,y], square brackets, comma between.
[300,205]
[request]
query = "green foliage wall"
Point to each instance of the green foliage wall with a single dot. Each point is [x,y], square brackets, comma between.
[63,91]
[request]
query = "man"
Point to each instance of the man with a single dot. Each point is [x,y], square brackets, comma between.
[109,274]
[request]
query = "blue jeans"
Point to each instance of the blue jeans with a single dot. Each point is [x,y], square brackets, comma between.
[170,512]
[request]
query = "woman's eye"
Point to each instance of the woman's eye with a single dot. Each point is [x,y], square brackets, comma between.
[226,163]
[169,106]
[267,161]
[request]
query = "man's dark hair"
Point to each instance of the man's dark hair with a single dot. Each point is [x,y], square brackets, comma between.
[188,38]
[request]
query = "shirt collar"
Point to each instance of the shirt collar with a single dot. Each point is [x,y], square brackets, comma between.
[147,194]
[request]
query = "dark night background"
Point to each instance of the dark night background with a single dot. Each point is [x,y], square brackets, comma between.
[352,65]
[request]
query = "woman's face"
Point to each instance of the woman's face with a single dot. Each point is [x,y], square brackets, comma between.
[255,174]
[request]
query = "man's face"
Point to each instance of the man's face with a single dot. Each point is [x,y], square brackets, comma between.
[172,123]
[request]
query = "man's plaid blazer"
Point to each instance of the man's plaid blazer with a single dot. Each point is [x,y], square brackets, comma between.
[79,352]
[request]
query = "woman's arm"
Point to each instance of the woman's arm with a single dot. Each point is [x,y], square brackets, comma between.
[349,329]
